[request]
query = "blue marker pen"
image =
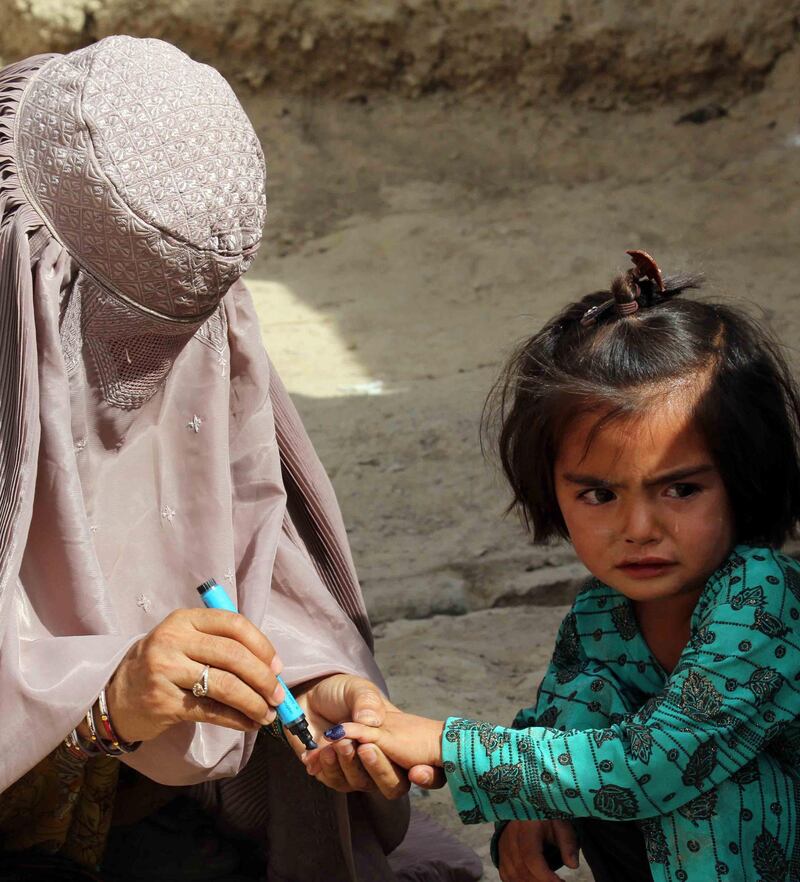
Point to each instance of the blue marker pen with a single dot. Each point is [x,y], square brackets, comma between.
[289,711]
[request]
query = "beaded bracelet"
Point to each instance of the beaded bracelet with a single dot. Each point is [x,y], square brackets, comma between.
[118,746]
[96,740]
[97,745]
[79,748]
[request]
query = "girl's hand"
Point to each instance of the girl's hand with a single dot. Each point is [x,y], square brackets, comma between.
[345,766]
[151,690]
[521,849]
[406,739]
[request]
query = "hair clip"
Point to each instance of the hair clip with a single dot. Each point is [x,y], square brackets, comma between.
[647,267]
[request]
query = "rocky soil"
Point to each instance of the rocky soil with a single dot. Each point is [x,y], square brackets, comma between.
[443,175]
[604,52]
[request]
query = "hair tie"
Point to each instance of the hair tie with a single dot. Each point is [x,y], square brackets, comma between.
[627,290]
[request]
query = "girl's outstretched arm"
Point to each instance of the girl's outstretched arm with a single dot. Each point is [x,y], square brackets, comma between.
[406,739]
[734,691]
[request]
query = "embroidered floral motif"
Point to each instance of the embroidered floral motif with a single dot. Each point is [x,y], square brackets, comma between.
[548,717]
[194,423]
[472,816]
[749,597]
[566,653]
[699,699]
[701,764]
[768,624]
[150,173]
[616,802]
[491,739]
[701,808]
[655,842]
[624,621]
[168,513]
[748,774]
[502,782]
[600,736]
[764,683]
[640,742]
[769,858]
[702,637]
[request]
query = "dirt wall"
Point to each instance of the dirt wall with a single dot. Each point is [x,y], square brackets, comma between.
[600,52]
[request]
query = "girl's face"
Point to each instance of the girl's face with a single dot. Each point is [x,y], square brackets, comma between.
[645,506]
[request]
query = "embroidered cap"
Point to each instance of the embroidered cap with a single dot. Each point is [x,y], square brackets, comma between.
[144,165]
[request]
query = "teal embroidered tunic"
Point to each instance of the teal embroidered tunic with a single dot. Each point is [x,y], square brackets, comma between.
[705,759]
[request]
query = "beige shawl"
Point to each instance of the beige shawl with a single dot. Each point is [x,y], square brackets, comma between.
[146,443]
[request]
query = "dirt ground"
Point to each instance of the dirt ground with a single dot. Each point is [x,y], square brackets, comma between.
[409,246]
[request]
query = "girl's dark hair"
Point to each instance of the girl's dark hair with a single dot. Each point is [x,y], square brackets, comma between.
[748,406]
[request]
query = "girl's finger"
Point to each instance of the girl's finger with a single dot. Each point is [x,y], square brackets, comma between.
[387,777]
[521,853]
[350,764]
[567,842]
[537,868]
[512,871]
[354,731]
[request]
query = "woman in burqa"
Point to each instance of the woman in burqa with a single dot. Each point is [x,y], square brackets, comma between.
[146,444]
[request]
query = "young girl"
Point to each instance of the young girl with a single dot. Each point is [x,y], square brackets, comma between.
[660,436]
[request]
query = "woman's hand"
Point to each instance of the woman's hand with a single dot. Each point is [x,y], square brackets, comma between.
[151,690]
[407,740]
[521,849]
[345,766]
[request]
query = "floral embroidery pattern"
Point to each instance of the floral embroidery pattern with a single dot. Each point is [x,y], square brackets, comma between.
[502,782]
[616,802]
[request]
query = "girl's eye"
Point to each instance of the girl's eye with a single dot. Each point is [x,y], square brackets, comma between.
[597,496]
[682,491]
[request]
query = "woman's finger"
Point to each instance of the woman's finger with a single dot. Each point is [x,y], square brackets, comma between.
[365,702]
[350,764]
[223,624]
[330,773]
[427,777]
[206,710]
[225,688]
[230,655]
[390,779]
